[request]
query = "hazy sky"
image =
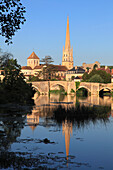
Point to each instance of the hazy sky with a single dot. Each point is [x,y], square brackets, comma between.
[91,31]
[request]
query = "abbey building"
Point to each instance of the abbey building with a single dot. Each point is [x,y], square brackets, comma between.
[66,71]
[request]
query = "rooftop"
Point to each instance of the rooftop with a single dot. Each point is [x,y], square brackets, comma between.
[26,68]
[33,56]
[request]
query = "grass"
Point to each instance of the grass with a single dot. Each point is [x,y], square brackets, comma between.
[58,92]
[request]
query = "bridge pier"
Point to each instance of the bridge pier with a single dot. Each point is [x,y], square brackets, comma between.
[94,88]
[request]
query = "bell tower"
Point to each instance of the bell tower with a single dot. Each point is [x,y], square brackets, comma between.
[67,58]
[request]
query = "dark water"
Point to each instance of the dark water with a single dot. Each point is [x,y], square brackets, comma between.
[37,141]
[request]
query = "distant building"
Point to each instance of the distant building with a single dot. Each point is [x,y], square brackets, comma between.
[67,58]
[90,67]
[105,68]
[34,67]
[33,60]
[75,73]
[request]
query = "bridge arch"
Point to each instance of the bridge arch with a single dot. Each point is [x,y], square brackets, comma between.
[103,88]
[84,88]
[36,88]
[55,85]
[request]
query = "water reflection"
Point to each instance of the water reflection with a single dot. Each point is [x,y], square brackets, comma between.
[72,99]
[67,131]
[46,105]
[15,133]
[11,125]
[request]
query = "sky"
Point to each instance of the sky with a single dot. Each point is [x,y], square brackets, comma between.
[44,32]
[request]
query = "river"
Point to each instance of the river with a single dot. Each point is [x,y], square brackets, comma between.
[35,140]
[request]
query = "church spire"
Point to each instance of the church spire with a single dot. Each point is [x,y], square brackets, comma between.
[67,58]
[67,42]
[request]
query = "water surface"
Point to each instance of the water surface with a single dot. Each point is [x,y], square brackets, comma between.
[35,140]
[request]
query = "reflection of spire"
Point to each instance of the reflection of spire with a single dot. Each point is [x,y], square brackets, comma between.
[67,129]
[33,120]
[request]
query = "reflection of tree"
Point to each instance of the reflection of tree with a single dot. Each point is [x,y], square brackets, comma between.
[11,126]
[82,115]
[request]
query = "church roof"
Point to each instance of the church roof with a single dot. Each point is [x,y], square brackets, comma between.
[33,56]
[55,67]
[105,69]
[38,67]
[77,77]
[60,68]
[26,68]
[77,70]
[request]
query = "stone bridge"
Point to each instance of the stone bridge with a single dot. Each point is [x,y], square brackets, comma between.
[95,88]
[44,86]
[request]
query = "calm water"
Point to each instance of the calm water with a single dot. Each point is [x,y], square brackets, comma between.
[68,146]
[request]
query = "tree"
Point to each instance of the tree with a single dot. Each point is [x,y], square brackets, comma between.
[48,68]
[87,69]
[95,66]
[11,17]
[85,76]
[96,78]
[47,60]
[13,88]
[72,78]
[105,76]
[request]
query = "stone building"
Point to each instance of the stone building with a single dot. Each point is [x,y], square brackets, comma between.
[75,73]
[90,67]
[33,60]
[67,58]
[34,68]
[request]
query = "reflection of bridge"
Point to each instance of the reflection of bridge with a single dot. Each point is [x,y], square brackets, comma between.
[95,88]
[44,86]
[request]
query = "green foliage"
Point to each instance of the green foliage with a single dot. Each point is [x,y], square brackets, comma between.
[87,68]
[58,92]
[11,17]
[72,91]
[14,89]
[85,76]
[77,84]
[82,92]
[105,76]
[72,78]
[48,69]
[96,78]
[95,66]
[33,78]
[110,67]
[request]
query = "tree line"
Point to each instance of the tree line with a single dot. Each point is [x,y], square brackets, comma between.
[13,88]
